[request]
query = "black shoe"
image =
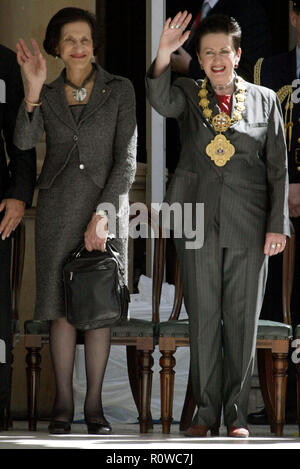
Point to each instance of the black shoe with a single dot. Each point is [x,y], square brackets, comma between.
[99,428]
[258,418]
[58,427]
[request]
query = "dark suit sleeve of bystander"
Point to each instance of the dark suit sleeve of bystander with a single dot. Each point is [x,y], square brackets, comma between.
[22,164]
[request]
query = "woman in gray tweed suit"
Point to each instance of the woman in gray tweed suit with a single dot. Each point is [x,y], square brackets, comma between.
[233,160]
[88,116]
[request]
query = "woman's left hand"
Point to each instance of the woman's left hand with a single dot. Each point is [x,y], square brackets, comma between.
[274,244]
[14,211]
[96,233]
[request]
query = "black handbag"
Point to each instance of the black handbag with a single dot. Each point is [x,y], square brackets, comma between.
[95,293]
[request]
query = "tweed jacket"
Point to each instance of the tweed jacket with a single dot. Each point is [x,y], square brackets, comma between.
[17,179]
[249,195]
[105,136]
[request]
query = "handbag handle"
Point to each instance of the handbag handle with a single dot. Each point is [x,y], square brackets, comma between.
[78,251]
[81,247]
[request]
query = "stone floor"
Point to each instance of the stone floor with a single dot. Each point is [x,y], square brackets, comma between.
[126,436]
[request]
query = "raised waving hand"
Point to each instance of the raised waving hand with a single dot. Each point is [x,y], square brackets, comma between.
[172,38]
[34,68]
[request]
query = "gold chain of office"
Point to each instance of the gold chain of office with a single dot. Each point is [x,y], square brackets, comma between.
[220,150]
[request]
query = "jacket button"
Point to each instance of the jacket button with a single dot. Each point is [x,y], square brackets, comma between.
[75,138]
[298,168]
[81,166]
[298,140]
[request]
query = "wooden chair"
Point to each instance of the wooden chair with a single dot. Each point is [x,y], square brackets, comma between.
[139,337]
[273,340]
[273,344]
[17,265]
[172,334]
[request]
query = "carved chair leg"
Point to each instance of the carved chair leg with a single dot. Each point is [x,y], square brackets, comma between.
[33,371]
[280,366]
[167,363]
[265,372]
[146,364]
[133,367]
[298,395]
[188,406]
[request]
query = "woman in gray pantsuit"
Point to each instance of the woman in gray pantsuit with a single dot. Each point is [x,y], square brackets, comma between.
[233,160]
[88,116]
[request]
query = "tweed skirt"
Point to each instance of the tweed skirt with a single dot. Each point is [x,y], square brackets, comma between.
[63,213]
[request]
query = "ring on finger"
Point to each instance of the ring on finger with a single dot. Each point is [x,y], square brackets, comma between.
[273,246]
[177,26]
[278,245]
[172,26]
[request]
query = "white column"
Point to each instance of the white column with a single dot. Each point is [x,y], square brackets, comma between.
[156,151]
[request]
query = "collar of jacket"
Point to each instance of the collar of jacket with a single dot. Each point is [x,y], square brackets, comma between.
[54,93]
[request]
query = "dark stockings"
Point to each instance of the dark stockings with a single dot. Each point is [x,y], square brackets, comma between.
[97,347]
[62,345]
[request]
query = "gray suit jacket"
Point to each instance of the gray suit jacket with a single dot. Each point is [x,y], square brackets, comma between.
[105,135]
[251,191]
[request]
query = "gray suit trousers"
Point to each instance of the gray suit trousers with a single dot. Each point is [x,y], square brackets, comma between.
[223,292]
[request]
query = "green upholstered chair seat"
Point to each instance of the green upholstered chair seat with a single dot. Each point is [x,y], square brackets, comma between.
[273,330]
[174,328]
[36,327]
[134,328]
[130,328]
[143,328]
[266,329]
[297,332]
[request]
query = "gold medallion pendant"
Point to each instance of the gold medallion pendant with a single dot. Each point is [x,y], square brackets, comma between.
[220,150]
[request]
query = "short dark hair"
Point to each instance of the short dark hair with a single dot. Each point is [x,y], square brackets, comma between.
[218,24]
[65,16]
